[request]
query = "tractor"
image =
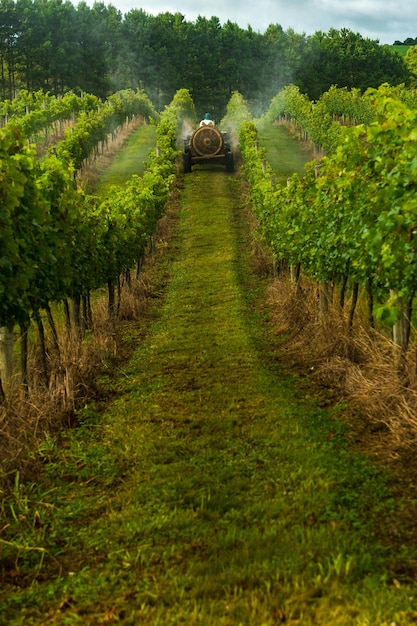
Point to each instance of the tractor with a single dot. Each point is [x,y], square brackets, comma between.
[207,144]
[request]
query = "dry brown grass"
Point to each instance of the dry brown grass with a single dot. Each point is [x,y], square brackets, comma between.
[360,366]
[28,416]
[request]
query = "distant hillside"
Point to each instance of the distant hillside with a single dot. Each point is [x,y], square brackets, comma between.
[401,47]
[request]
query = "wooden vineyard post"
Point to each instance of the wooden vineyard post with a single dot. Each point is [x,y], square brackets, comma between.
[325,298]
[400,329]
[401,335]
[325,289]
[6,354]
[294,269]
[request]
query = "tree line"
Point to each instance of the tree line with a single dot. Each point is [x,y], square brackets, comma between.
[410,41]
[55,46]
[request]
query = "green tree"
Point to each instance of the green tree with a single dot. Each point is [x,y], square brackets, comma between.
[410,60]
[46,44]
[108,22]
[54,46]
[135,57]
[280,53]
[155,48]
[168,43]
[241,61]
[203,52]
[346,59]
[90,68]
[9,28]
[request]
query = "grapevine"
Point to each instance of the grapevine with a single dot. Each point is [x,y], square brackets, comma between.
[353,213]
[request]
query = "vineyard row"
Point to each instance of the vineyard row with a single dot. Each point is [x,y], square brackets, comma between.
[351,218]
[59,243]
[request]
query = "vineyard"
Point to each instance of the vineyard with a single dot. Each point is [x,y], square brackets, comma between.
[347,225]
[51,227]
[199,424]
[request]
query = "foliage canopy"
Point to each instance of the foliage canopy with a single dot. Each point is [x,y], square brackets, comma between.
[51,45]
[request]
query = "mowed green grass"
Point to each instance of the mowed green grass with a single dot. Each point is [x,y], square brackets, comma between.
[129,161]
[213,491]
[401,50]
[281,155]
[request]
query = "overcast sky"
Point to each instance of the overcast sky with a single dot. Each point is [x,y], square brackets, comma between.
[385,20]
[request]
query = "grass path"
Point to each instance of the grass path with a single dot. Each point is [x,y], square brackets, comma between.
[211,492]
[129,161]
[282,155]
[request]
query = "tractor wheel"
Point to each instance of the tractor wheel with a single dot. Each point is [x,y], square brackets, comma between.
[230,164]
[187,162]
